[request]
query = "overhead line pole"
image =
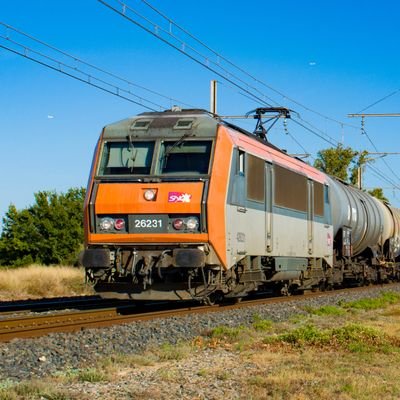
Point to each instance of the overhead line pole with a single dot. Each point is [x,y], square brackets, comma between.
[213,97]
[359,168]
[363,131]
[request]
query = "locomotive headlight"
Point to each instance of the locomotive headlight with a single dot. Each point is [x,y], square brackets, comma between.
[106,224]
[192,223]
[178,224]
[150,194]
[119,224]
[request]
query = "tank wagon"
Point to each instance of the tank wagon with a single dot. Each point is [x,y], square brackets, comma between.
[181,205]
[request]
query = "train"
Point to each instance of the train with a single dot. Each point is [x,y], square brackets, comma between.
[182,205]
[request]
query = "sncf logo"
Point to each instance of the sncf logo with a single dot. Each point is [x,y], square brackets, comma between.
[179,197]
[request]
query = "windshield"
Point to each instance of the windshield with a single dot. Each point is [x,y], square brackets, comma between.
[126,158]
[189,157]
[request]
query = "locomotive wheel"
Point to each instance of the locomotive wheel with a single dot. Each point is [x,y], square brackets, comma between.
[360,282]
[213,299]
[232,300]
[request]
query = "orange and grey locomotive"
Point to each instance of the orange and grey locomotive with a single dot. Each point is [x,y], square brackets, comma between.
[182,205]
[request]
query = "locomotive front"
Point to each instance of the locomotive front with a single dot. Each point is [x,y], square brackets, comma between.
[146,211]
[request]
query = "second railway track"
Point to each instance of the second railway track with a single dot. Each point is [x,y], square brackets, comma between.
[57,303]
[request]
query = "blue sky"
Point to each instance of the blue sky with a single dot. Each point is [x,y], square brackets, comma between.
[333,57]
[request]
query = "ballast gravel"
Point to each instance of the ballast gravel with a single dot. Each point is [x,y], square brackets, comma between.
[32,358]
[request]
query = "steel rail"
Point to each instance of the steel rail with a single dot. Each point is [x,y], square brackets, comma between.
[33,326]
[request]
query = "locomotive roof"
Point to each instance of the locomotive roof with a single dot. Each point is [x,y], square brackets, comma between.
[198,123]
[177,122]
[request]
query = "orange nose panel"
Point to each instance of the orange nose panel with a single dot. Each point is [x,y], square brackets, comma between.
[129,198]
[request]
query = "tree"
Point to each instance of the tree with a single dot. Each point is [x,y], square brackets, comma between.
[378,193]
[336,161]
[48,232]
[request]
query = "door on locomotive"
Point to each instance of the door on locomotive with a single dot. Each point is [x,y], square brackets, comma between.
[310,216]
[269,196]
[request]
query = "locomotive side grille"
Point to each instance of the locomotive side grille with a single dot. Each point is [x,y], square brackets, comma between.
[290,189]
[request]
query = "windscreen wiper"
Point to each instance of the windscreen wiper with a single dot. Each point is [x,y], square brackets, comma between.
[176,144]
[132,158]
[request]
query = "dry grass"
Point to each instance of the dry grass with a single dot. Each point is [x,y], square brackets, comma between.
[38,281]
[316,374]
[325,355]
[33,389]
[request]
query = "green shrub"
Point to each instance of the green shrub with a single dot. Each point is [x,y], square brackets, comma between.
[385,299]
[351,337]
[33,390]
[172,352]
[226,332]
[261,324]
[305,335]
[91,375]
[326,311]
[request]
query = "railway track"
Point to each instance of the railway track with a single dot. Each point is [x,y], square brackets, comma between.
[57,303]
[33,326]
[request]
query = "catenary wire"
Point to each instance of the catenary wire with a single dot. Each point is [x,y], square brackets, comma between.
[286,130]
[156,34]
[89,77]
[316,133]
[92,66]
[376,170]
[118,90]
[75,77]
[383,176]
[232,87]
[236,66]
[364,132]
[313,127]
[207,63]
[218,55]
[301,146]
[379,101]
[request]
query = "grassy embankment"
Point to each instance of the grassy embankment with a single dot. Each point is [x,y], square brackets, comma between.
[38,281]
[351,351]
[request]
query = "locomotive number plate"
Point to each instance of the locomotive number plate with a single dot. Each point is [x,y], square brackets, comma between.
[148,223]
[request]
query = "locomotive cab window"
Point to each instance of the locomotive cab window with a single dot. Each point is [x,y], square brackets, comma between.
[126,158]
[240,163]
[190,157]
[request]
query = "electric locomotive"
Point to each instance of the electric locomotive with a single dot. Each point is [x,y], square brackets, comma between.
[182,205]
